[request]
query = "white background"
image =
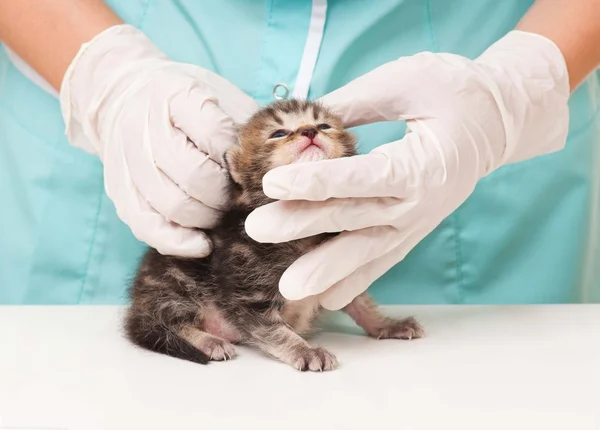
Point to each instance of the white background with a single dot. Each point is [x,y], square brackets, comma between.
[530,367]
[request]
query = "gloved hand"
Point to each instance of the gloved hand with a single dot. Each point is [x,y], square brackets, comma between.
[160,127]
[464,120]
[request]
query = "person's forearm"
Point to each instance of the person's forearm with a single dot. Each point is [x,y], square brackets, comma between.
[47,34]
[574,26]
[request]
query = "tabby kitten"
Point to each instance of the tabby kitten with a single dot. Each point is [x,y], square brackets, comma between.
[196,309]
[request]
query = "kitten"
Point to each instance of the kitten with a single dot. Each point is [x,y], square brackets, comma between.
[195,309]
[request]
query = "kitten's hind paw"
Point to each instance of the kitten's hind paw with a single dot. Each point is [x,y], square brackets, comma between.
[407,328]
[315,359]
[215,348]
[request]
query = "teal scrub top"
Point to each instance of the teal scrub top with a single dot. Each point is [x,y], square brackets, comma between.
[528,234]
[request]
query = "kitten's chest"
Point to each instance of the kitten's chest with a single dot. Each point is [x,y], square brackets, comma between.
[252,270]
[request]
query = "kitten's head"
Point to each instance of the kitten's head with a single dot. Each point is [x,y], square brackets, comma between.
[282,133]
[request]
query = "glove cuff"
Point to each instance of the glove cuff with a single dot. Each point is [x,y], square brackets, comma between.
[531,87]
[97,63]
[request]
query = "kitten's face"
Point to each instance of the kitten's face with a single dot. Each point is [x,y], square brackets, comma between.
[297,133]
[286,132]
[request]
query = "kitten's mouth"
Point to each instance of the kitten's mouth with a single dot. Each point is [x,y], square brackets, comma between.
[305,149]
[309,151]
[310,144]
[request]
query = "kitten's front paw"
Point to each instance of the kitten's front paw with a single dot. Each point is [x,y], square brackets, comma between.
[407,328]
[216,348]
[315,359]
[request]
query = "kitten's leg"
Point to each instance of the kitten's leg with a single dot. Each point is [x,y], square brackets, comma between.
[367,315]
[278,340]
[213,347]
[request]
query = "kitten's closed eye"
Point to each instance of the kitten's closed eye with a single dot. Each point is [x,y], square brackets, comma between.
[279,134]
[323,127]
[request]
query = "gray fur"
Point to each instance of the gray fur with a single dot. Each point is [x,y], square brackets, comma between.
[196,309]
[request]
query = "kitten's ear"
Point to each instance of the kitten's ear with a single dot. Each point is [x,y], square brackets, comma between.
[232,161]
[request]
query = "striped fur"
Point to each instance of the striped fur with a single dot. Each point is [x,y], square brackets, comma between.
[196,309]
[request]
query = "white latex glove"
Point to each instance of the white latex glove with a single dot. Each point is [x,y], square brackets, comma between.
[160,127]
[464,119]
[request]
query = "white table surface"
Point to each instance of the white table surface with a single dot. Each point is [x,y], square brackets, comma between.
[529,367]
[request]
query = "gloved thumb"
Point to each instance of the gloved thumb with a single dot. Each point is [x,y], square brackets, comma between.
[344,291]
[334,260]
[387,93]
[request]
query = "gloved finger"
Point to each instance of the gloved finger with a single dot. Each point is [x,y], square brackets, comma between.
[357,106]
[197,174]
[160,192]
[145,223]
[392,170]
[283,221]
[395,91]
[231,99]
[166,237]
[196,113]
[344,291]
[335,259]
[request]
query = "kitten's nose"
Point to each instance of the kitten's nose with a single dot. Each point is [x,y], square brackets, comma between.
[308,132]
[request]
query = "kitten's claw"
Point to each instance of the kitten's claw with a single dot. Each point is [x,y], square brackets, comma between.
[217,349]
[315,359]
[407,329]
